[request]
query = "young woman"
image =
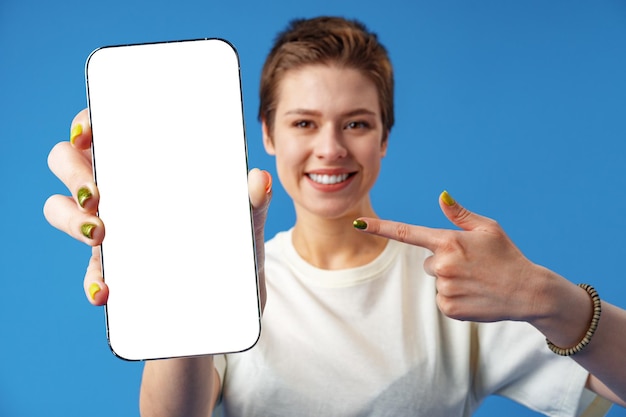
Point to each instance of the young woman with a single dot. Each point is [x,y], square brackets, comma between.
[354,323]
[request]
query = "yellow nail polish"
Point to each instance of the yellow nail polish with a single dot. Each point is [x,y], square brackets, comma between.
[94,289]
[447,198]
[359,224]
[76,131]
[87,230]
[83,195]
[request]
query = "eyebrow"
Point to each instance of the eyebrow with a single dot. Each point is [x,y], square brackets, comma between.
[355,112]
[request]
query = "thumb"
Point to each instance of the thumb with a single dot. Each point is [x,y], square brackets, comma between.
[461,216]
[259,188]
[260,191]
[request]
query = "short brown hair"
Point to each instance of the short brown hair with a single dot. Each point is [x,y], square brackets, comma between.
[327,40]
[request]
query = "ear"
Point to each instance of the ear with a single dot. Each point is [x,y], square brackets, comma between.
[268,142]
[383,144]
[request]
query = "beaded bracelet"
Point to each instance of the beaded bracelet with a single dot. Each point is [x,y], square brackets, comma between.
[597,310]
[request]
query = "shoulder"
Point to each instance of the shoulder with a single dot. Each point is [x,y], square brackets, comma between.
[277,246]
[278,239]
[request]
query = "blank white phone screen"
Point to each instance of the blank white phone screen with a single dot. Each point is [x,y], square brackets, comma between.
[170,163]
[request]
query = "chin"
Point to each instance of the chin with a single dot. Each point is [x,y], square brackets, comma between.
[332,211]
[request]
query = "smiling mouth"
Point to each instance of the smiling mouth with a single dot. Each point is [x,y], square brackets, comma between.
[328,179]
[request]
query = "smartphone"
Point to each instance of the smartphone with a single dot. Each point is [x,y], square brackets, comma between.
[170,162]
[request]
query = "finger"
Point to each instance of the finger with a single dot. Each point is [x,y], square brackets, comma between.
[74,169]
[63,213]
[260,190]
[415,235]
[428,265]
[96,290]
[80,131]
[259,187]
[461,216]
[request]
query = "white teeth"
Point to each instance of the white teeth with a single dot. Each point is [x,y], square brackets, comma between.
[328,179]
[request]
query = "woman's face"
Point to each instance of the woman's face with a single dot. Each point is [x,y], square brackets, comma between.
[327,139]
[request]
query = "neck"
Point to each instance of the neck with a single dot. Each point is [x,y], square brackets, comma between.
[334,243]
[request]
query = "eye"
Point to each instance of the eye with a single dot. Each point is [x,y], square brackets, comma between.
[360,124]
[303,124]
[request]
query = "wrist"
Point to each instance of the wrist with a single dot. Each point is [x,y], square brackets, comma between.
[593,325]
[563,311]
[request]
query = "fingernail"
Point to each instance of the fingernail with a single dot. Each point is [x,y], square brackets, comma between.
[76,131]
[268,187]
[447,198]
[359,224]
[87,230]
[94,289]
[83,195]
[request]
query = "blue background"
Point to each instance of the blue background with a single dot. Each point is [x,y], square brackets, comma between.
[517,108]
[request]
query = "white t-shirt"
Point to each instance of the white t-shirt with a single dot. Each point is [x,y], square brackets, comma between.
[370,341]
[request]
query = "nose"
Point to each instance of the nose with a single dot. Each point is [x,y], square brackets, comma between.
[329,144]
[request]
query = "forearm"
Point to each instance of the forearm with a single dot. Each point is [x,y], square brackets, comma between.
[604,357]
[179,387]
[567,315]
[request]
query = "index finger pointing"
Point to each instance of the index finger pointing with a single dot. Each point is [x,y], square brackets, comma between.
[402,232]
